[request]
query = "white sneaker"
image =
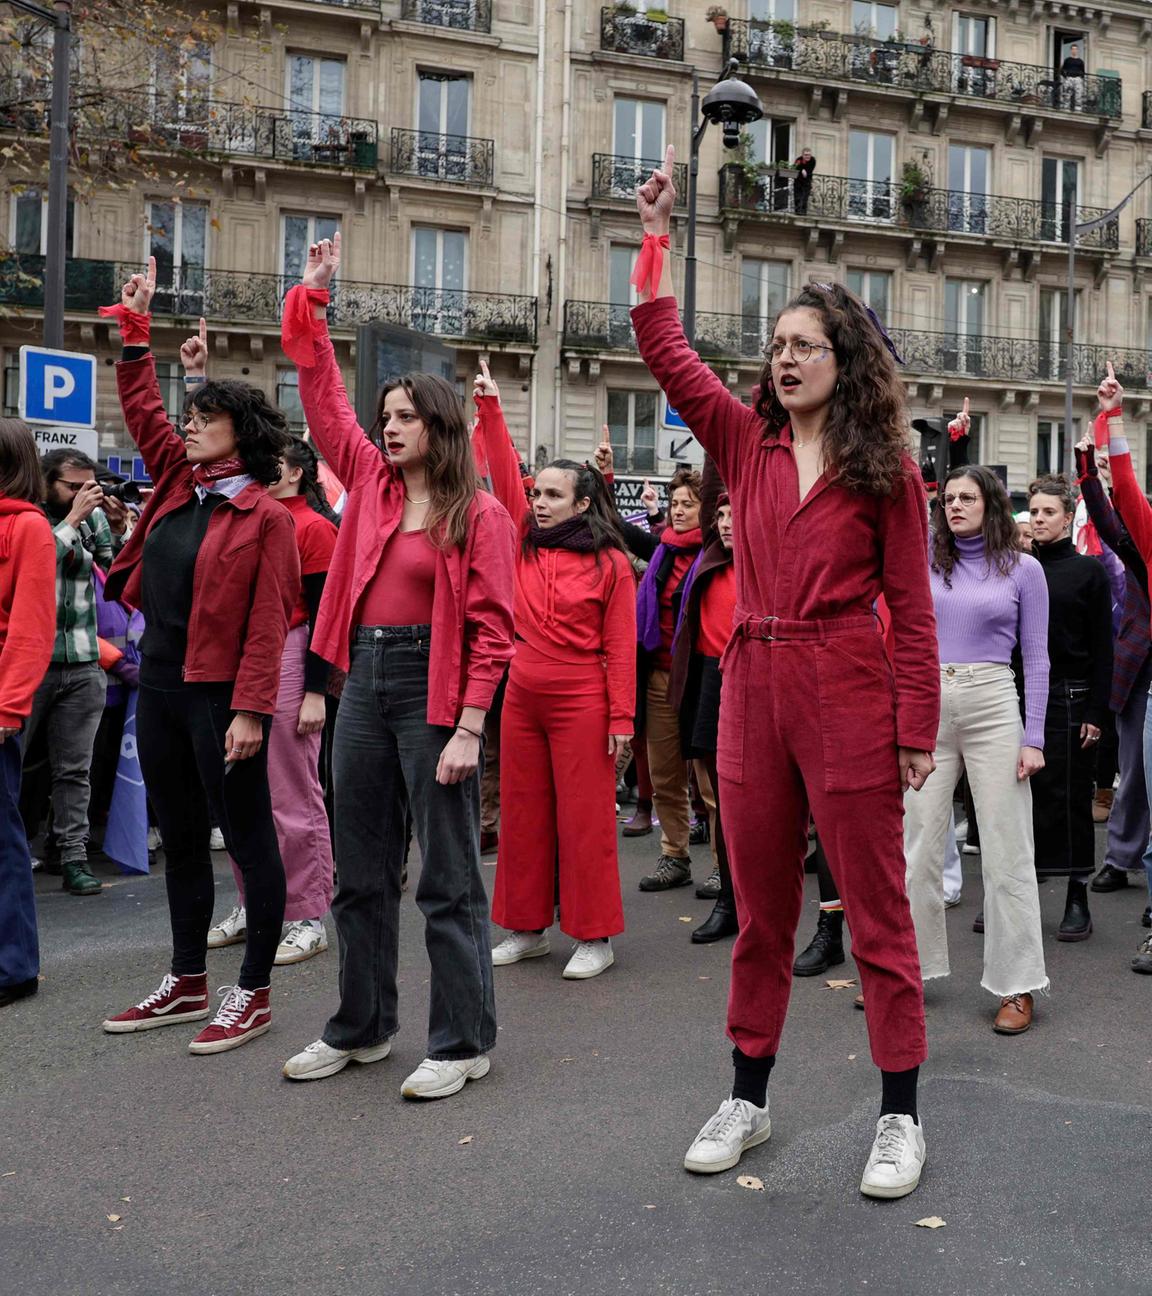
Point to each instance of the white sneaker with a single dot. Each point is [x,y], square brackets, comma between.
[303,940]
[216,840]
[589,959]
[736,1127]
[437,1079]
[231,931]
[896,1159]
[319,1059]
[155,841]
[951,901]
[520,945]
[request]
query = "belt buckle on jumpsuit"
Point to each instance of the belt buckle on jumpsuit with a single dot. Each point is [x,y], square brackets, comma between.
[760,629]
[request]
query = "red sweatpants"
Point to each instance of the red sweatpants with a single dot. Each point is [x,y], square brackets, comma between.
[557,790]
[809,722]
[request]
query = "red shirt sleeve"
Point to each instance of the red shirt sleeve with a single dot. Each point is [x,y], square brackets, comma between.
[316,545]
[620,643]
[31,631]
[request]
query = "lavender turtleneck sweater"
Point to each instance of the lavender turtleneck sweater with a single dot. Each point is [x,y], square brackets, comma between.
[981,616]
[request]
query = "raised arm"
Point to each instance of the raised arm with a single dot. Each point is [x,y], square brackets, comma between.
[495,442]
[304,336]
[721,423]
[1130,500]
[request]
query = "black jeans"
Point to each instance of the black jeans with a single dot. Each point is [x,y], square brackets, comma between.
[1062,790]
[180,729]
[384,765]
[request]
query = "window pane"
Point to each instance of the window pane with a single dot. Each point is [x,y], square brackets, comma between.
[624,124]
[452,273]
[750,289]
[776,277]
[618,427]
[162,239]
[29,206]
[300,77]
[288,396]
[428,112]
[326,227]
[193,234]
[295,245]
[621,262]
[456,122]
[331,87]
[424,257]
[652,132]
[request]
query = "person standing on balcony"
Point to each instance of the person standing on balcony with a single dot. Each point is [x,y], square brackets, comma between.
[1072,81]
[569,705]
[418,611]
[212,564]
[805,166]
[830,513]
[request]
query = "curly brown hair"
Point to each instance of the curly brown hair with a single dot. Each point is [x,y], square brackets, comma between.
[1057,485]
[688,477]
[1001,539]
[867,428]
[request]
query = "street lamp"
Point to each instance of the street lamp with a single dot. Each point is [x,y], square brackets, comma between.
[1075,229]
[730,104]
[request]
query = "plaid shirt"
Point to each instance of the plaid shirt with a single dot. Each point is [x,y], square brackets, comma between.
[77,548]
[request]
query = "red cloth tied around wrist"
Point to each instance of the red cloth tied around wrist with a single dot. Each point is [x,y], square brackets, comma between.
[298,329]
[1100,427]
[204,473]
[650,263]
[135,329]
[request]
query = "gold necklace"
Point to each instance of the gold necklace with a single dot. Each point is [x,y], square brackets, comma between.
[416,501]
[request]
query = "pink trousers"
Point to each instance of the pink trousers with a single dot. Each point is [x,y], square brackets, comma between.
[297,798]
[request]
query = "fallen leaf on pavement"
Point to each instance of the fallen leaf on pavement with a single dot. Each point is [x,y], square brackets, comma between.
[750,1181]
[930,1221]
[649,1207]
[113,1219]
[686,918]
[7,1174]
[839,985]
[465,1140]
[708,978]
[851,1057]
[127,1199]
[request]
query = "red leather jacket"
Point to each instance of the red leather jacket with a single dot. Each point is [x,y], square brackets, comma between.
[247,576]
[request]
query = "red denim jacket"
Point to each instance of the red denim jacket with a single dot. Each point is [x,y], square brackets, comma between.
[247,577]
[472,601]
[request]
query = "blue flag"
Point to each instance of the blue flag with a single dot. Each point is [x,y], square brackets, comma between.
[126,837]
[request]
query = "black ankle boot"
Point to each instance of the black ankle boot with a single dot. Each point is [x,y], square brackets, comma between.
[720,922]
[827,946]
[1077,921]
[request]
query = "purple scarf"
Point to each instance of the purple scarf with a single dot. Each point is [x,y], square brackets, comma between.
[648,596]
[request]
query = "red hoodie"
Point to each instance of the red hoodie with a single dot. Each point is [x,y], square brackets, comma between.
[27,606]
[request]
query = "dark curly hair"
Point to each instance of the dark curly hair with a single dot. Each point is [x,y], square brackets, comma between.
[867,427]
[688,477]
[1001,539]
[261,429]
[299,454]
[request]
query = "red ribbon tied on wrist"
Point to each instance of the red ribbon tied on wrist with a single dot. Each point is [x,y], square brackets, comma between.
[650,263]
[1100,427]
[298,328]
[135,329]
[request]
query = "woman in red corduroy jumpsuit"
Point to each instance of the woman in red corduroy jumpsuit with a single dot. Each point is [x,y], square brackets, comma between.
[829,513]
[569,706]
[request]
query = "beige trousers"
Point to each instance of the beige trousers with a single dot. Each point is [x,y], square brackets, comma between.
[668,767]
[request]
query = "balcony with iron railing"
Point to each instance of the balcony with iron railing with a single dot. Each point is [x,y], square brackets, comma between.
[890,203]
[617,176]
[145,120]
[1146,110]
[820,56]
[1143,237]
[624,30]
[459,15]
[458,159]
[233,296]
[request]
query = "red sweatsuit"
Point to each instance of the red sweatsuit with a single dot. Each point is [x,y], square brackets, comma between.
[27,606]
[572,682]
[811,714]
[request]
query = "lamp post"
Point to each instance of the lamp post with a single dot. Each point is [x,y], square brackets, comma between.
[1074,230]
[730,104]
[60,17]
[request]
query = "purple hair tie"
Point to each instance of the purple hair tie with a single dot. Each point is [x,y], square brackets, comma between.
[827,287]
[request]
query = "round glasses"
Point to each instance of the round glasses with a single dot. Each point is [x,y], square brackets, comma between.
[966,498]
[801,350]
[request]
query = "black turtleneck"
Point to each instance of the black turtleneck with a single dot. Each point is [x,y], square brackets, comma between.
[1079,622]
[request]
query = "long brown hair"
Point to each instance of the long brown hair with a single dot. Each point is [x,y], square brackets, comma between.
[867,427]
[20,474]
[1001,539]
[452,477]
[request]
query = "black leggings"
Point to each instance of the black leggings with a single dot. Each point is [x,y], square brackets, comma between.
[180,730]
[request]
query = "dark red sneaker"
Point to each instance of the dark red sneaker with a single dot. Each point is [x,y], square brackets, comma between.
[179,999]
[242,1016]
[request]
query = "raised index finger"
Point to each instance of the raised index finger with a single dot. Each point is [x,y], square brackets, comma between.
[484,370]
[203,332]
[150,279]
[669,159]
[1111,371]
[966,403]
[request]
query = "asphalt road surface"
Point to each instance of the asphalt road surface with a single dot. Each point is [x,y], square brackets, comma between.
[561,1172]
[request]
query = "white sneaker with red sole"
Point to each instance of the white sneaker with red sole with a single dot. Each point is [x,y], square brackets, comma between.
[242,1016]
[179,999]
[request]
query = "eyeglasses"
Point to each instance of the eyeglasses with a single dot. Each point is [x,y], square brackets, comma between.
[199,421]
[801,350]
[966,498]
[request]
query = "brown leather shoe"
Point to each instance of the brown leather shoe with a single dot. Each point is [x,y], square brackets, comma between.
[1102,805]
[640,825]
[1015,1015]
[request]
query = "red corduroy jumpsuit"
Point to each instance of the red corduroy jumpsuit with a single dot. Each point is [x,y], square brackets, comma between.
[811,714]
[571,683]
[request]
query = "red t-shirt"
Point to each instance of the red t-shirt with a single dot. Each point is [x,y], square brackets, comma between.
[315,539]
[401,591]
[717,608]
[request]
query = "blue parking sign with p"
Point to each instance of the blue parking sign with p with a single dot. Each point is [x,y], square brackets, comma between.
[57,387]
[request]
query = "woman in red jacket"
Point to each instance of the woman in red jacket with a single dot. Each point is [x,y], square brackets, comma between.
[829,513]
[418,610]
[27,634]
[212,565]
[568,708]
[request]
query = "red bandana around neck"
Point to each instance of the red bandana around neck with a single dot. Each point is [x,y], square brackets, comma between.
[205,474]
[682,539]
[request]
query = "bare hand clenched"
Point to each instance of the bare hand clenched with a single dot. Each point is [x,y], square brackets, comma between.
[657,196]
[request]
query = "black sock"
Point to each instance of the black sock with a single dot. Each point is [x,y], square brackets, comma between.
[751,1077]
[899,1096]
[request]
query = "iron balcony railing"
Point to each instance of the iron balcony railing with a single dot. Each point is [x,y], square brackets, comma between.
[598,326]
[457,158]
[1143,237]
[463,15]
[887,202]
[1146,110]
[230,296]
[207,126]
[616,176]
[625,31]
[836,56]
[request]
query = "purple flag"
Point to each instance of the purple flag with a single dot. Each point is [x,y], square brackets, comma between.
[126,837]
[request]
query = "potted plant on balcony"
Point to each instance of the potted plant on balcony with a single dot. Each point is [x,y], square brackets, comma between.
[656,15]
[915,186]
